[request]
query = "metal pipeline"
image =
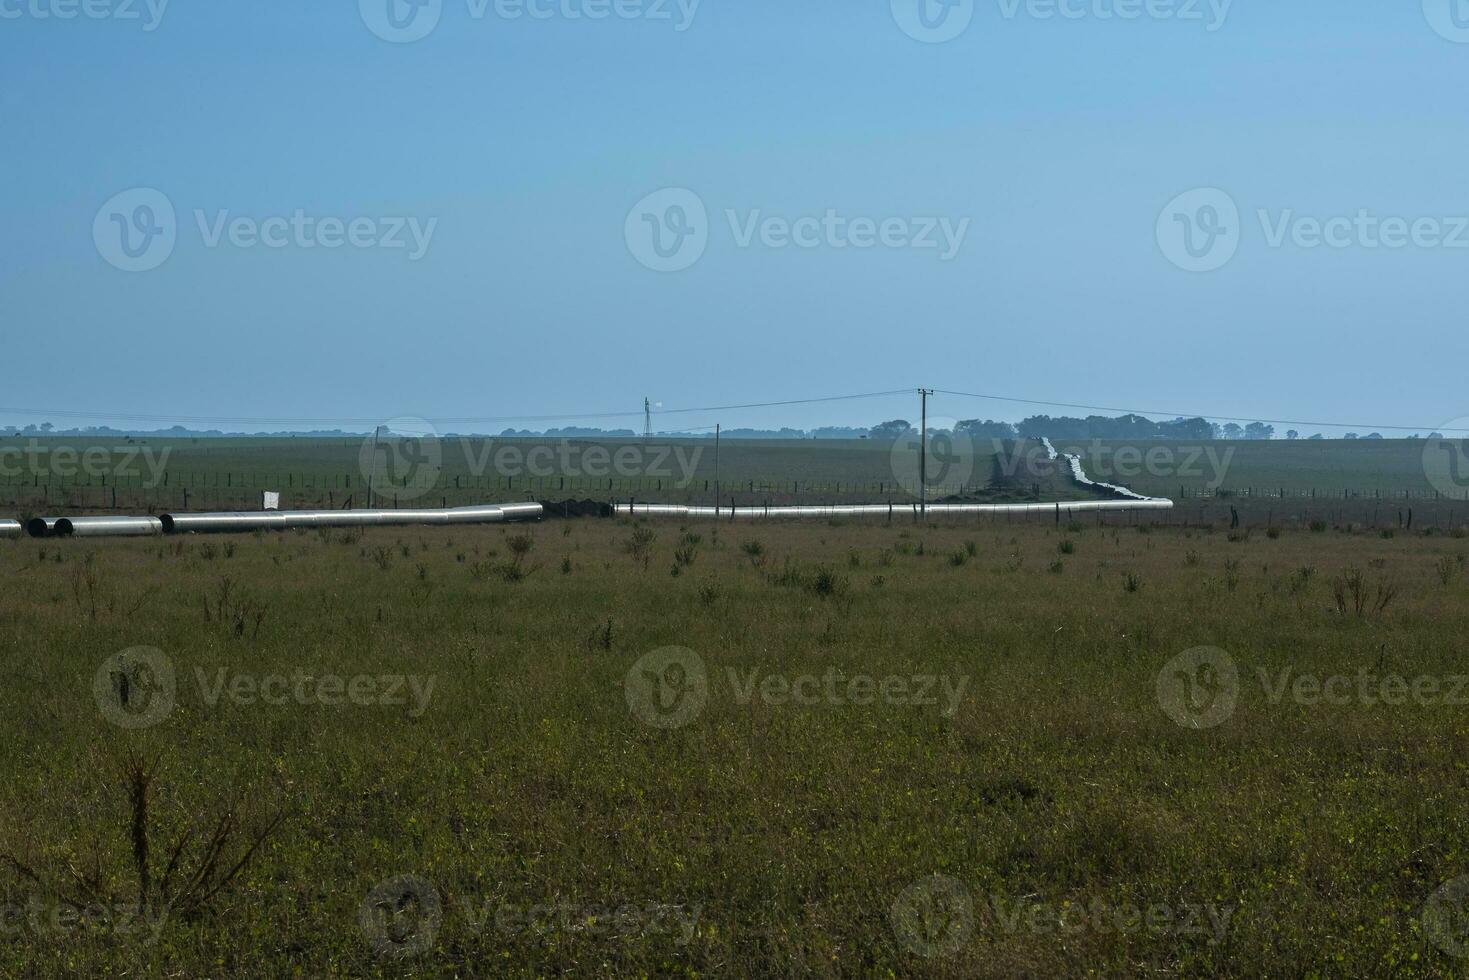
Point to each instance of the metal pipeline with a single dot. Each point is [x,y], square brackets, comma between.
[11,529]
[41,527]
[1130,502]
[517,512]
[107,527]
[885,510]
[283,519]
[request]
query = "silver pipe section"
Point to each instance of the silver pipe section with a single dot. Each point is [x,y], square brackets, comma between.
[884,510]
[518,512]
[108,527]
[11,529]
[41,527]
[1079,475]
[1130,502]
[275,520]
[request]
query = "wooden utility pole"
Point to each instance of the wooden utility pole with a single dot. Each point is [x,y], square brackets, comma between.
[923,394]
[373,472]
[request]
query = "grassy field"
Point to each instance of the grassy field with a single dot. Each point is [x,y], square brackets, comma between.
[62,474]
[1329,466]
[68,475]
[943,750]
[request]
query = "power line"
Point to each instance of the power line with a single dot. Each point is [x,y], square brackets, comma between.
[455,420]
[1202,415]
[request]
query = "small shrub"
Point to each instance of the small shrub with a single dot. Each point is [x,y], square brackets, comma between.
[1067,547]
[1353,593]
[1447,568]
[1132,582]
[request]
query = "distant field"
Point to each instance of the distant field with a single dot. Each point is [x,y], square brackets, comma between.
[164,473]
[74,473]
[1333,466]
[1009,773]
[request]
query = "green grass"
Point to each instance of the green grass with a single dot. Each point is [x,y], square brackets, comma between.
[764,836]
[1330,466]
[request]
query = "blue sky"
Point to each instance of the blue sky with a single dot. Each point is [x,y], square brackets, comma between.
[1056,143]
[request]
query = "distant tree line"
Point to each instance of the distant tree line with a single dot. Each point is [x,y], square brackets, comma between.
[1121,428]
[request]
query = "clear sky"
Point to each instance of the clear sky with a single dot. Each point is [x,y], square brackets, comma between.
[520,147]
